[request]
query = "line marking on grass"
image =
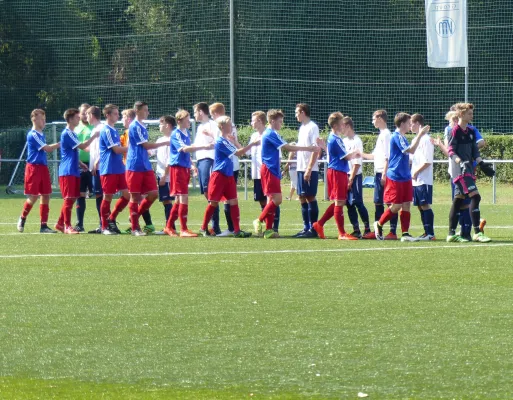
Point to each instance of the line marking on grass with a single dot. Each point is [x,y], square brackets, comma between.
[258,252]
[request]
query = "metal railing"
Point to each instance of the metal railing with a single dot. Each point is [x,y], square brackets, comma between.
[246,179]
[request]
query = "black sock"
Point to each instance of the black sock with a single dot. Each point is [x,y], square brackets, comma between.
[228,216]
[380,209]
[81,206]
[167,210]
[475,213]
[454,215]
[98,208]
[353,217]
[147,218]
[276,223]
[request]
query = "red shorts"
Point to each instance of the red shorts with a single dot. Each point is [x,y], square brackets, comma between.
[337,184]
[179,180]
[221,187]
[70,186]
[113,183]
[270,183]
[141,182]
[397,192]
[37,180]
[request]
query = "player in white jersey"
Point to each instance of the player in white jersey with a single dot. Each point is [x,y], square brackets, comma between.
[307,171]
[206,133]
[94,115]
[258,122]
[166,126]
[380,156]
[218,110]
[355,205]
[422,179]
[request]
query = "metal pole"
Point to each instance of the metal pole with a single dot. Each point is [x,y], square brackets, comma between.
[245,180]
[55,157]
[466,84]
[494,185]
[232,60]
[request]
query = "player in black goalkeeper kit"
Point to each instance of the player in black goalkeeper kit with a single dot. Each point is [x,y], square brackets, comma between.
[463,152]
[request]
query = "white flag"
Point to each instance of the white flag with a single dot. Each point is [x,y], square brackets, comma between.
[446,28]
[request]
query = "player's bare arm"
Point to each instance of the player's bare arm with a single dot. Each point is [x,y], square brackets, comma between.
[416,140]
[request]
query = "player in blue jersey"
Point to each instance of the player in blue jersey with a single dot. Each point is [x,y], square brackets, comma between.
[37,175]
[179,171]
[338,169]
[112,171]
[398,186]
[139,173]
[464,218]
[222,184]
[69,170]
[270,171]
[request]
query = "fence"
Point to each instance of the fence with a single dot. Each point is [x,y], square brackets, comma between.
[246,175]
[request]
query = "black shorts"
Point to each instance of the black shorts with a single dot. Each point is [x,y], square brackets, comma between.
[164,192]
[258,193]
[86,181]
[464,184]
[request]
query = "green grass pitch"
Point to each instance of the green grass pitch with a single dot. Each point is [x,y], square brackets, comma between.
[89,316]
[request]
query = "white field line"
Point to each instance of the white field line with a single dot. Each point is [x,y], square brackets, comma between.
[257,252]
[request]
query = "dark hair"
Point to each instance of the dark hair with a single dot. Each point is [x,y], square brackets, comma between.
[95,112]
[202,107]
[400,118]
[418,118]
[303,107]
[169,120]
[139,105]
[70,113]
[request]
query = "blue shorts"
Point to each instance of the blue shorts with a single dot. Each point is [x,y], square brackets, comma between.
[86,181]
[466,202]
[164,192]
[355,195]
[379,189]
[204,171]
[422,195]
[258,193]
[97,184]
[307,188]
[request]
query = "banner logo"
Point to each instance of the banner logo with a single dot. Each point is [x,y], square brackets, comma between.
[445,27]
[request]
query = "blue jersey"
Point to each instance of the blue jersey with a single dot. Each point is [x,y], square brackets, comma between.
[137,159]
[272,142]
[35,143]
[399,160]
[110,162]
[179,140]
[222,161]
[337,152]
[69,154]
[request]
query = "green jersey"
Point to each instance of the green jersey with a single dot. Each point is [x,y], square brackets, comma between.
[83,132]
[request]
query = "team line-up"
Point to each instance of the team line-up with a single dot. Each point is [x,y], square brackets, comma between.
[95,158]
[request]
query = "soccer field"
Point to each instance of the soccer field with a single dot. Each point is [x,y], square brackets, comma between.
[121,317]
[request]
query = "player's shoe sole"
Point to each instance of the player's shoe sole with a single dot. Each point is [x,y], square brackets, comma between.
[346,236]
[21,225]
[257,226]
[481,238]
[378,231]
[188,234]
[319,229]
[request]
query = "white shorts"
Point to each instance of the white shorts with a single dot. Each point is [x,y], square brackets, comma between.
[293,178]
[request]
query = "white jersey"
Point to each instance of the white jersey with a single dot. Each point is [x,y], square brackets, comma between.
[381,150]
[162,154]
[94,147]
[308,135]
[351,145]
[256,156]
[203,139]
[423,155]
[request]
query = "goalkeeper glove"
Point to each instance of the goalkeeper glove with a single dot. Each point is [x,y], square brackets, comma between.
[486,168]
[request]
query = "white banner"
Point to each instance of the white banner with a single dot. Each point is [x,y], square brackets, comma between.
[446,29]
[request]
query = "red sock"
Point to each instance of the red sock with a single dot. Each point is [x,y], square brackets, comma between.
[173,216]
[144,206]
[405,221]
[387,216]
[134,215]
[68,208]
[235,214]
[118,207]
[209,211]
[183,209]
[338,212]
[44,210]
[268,215]
[105,212]
[60,221]
[327,214]
[26,209]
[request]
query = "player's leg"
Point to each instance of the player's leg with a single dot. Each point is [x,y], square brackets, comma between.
[214,195]
[335,180]
[475,214]
[98,195]
[405,218]
[454,212]
[310,191]
[360,206]
[207,216]
[353,215]
[391,195]
[27,207]
[303,203]
[71,193]
[44,210]
[85,177]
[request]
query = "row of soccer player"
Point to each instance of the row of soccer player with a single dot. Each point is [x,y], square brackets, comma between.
[216,148]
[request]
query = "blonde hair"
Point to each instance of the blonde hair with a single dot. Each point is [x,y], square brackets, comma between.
[217,108]
[451,115]
[128,113]
[181,114]
[260,115]
[35,112]
[335,118]
[224,120]
[274,114]
[461,108]
[348,121]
